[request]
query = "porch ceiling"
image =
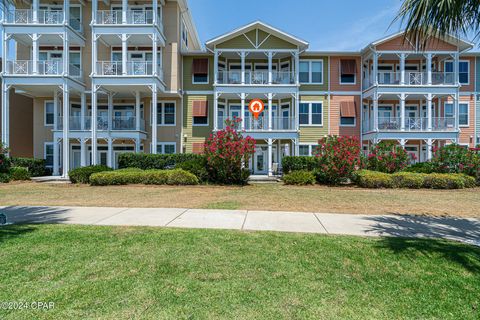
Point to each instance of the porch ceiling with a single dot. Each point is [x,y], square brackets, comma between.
[261,96]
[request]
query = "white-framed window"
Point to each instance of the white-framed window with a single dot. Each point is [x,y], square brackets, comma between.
[306,149]
[48,154]
[311,113]
[76,17]
[311,71]
[448,110]
[166,148]
[200,121]
[166,111]
[49,113]
[463,114]
[348,121]
[463,70]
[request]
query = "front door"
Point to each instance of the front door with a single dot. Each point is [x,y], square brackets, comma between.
[411,117]
[138,65]
[260,160]
[75,157]
[284,121]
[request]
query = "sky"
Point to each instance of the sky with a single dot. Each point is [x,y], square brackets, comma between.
[340,25]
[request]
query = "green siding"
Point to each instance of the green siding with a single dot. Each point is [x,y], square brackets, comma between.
[317,87]
[187,74]
[311,134]
[266,41]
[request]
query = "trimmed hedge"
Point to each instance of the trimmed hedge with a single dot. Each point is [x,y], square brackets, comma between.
[375,179]
[82,174]
[296,163]
[146,161]
[421,167]
[36,167]
[300,177]
[197,167]
[19,173]
[138,176]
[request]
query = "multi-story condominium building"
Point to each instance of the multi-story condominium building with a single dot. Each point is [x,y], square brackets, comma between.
[96,69]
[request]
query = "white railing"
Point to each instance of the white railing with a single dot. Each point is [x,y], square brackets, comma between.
[261,124]
[411,124]
[118,123]
[44,17]
[136,17]
[42,68]
[411,78]
[255,77]
[134,68]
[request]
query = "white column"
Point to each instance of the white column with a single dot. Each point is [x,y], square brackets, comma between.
[137,145]
[297,67]
[35,7]
[375,112]
[270,113]
[65,136]
[66,12]
[215,111]
[456,61]
[83,110]
[137,110]
[56,155]
[402,111]
[155,11]
[94,51]
[154,54]
[297,111]
[5,50]
[270,75]
[270,157]
[457,110]
[242,109]
[55,110]
[429,112]
[154,118]
[429,149]
[375,68]
[94,125]
[242,58]
[66,53]
[5,117]
[402,68]
[429,68]
[402,143]
[35,55]
[124,53]
[215,67]
[110,152]
[110,111]
[124,11]
[83,152]
[94,11]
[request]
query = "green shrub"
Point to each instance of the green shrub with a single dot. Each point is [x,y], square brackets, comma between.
[197,167]
[295,163]
[19,173]
[138,176]
[373,179]
[409,180]
[146,161]
[421,167]
[444,181]
[5,162]
[4,178]
[36,167]
[299,177]
[82,175]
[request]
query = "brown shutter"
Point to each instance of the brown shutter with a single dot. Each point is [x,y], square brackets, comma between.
[200,66]
[348,66]
[198,147]
[200,108]
[347,109]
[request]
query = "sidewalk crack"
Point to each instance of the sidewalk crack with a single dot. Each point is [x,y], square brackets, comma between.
[176,217]
[113,215]
[244,220]
[318,219]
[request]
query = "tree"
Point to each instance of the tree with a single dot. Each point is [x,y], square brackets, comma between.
[424,19]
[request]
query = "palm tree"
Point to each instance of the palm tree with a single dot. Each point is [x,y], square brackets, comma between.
[425,19]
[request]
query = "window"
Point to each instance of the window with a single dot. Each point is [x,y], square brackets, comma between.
[463,114]
[49,113]
[166,113]
[463,70]
[184,34]
[347,113]
[311,71]
[200,71]
[48,154]
[348,70]
[448,110]
[200,112]
[311,113]
[76,17]
[307,149]
[75,61]
[166,148]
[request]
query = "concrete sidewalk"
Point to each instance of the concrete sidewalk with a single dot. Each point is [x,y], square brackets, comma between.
[460,229]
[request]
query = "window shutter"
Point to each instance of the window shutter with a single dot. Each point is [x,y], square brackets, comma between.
[200,108]
[347,109]
[200,66]
[348,67]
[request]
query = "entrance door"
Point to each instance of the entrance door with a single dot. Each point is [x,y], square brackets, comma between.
[260,160]
[138,65]
[75,157]
[411,117]
[284,121]
[385,119]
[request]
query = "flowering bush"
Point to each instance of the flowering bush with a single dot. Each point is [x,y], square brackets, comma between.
[387,157]
[456,159]
[5,162]
[338,157]
[227,151]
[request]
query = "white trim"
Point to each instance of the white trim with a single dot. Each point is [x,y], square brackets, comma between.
[348,125]
[45,113]
[45,152]
[310,103]
[468,114]
[161,108]
[452,61]
[310,61]
[310,148]
[163,144]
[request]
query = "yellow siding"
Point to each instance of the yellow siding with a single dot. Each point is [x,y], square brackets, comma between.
[311,134]
[196,133]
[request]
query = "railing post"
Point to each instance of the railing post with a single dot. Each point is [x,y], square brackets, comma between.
[429,69]
[94,11]
[66,12]
[35,8]
[402,111]
[375,68]
[270,75]
[402,68]
[35,54]
[429,112]
[215,67]
[124,11]
[124,54]
[242,57]
[66,54]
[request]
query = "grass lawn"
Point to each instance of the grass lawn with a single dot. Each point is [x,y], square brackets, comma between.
[127,273]
[254,197]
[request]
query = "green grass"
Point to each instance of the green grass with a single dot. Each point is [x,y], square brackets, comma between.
[225,205]
[133,273]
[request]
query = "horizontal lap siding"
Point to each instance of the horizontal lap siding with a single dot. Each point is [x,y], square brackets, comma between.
[317,87]
[335,128]
[311,134]
[196,134]
[398,43]
[467,133]
[187,74]
[335,75]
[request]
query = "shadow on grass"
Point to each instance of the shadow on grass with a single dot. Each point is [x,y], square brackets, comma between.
[402,233]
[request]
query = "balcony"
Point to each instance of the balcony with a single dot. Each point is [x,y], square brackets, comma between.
[40,68]
[119,123]
[412,79]
[133,17]
[418,124]
[44,17]
[261,124]
[133,68]
[256,77]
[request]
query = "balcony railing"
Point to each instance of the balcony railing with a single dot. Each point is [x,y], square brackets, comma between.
[134,68]
[44,17]
[411,124]
[255,77]
[43,68]
[261,124]
[136,17]
[412,78]
[119,123]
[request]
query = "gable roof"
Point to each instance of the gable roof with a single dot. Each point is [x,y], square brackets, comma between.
[302,44]
[463,45]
